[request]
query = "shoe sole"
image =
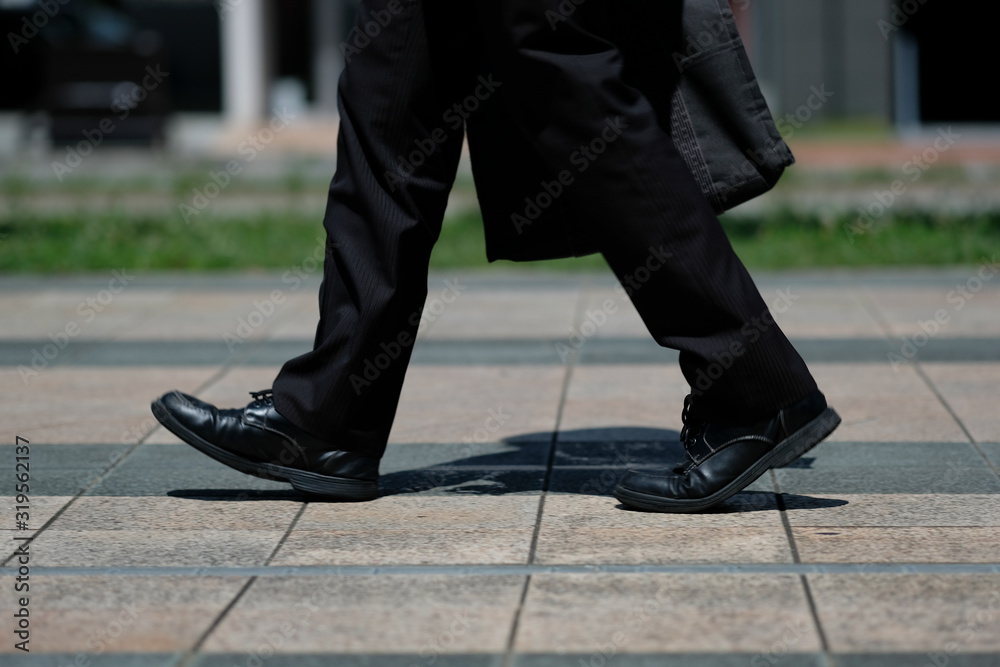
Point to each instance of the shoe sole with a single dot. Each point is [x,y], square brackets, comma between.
[784,453]
[324,486]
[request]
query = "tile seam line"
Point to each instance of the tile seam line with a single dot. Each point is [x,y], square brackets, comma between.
[518,570]
[876,313]
[218,375]
[954,415]
[509,649]
[803,579]
[196,648]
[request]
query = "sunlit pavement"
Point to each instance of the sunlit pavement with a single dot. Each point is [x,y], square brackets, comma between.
[496,540]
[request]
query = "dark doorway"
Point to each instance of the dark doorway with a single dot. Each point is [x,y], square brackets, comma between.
[956,46]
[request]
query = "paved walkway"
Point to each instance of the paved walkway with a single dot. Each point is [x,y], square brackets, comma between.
[496,541]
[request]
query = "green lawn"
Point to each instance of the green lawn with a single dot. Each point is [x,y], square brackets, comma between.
[63,243]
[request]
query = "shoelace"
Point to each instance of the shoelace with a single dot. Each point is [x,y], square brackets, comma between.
[692,429]
[261,396]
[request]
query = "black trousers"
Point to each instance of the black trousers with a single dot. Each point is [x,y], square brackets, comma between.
[567,77]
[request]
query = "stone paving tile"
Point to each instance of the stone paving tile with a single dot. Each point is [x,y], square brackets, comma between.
[938,456]
[106,659]
[922,659]
[622,448]
[488,352]
[147,548]
[814,312]
[80,405]
[910,544]
[62,470]
[80,312]
[675,613]
[462,546]
[364,659]
[869,351]
[889,468]
[622,319]
[40,510]
[301,316]
[423,513]
[603,655]
[464,455]
[98,616]
[992,450]
[102,513]
[210,315]
[848,481]
[479,313]
[820,312]
[632,396]
[139,353]
[878,403]
[589,530]
[602,481]
[971,391]
[905,308]
[414,530]
[477,404]
[883,510]
[182,471]
[428,615]
[469,482]
[911,613]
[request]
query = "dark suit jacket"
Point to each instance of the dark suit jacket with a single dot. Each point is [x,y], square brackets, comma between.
[688,59]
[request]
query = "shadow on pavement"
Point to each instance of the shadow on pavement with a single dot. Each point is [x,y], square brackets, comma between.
[582,462]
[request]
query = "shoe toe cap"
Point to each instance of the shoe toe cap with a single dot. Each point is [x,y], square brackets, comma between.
[183,408]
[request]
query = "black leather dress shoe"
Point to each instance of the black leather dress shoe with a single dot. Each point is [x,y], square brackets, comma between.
[259,441]
[724,459]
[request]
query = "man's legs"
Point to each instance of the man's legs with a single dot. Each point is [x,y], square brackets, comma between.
[755,404]
[643,207]
[398,152]
[324,424]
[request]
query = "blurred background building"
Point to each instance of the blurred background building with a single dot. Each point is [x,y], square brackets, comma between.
[229,63]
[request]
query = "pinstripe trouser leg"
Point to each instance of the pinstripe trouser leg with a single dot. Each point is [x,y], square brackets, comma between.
[397,154]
